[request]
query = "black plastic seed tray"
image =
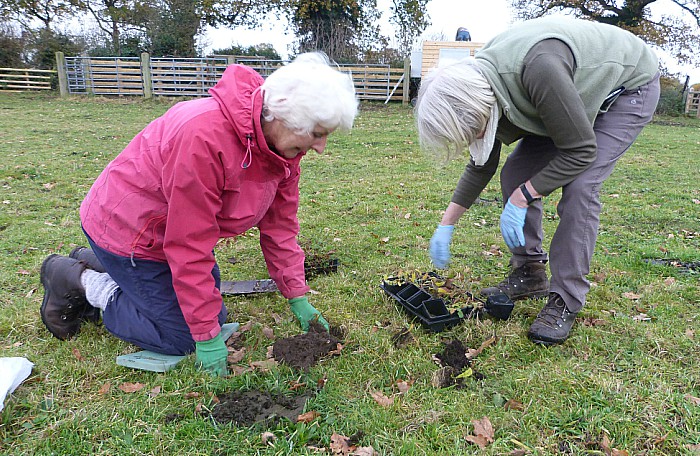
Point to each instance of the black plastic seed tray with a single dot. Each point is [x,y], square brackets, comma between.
[432,311]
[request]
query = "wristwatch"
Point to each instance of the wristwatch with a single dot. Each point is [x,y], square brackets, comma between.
[527,195]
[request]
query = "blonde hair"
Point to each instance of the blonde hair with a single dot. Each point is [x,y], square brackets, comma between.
[453,107]
[308,92]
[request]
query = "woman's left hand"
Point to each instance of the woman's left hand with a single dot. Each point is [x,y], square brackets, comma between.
[512,223]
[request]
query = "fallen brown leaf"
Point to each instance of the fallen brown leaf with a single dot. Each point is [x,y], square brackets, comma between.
[77,354]
[479,440]
[641,317]
[308,417]
[268,332]
[336,352]
[155,391]
[660,440]
[382,400]
[235,356]
[471,354]
[483,432]
[512,404]
[630,295]
[268,438]
[263,366]
[191,395]
[693,400]
[340,445]
[104,389]
[606,446]
[591,321]
[404,385]
[245,327]
[294,385]
[131,387]
[238,370]
[364,451]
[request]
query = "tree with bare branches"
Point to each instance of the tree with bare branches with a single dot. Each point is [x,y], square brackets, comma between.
[677,32]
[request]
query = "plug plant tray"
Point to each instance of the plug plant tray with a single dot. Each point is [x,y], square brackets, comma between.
[432,311]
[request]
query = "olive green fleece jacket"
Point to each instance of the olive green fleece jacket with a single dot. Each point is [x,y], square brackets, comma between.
[550,77]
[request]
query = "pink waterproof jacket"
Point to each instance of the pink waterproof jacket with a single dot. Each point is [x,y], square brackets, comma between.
[201,172]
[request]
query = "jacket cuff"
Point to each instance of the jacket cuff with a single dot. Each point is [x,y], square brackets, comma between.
[290,293]
[201,337]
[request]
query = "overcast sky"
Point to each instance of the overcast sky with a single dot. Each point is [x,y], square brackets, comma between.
[483,19]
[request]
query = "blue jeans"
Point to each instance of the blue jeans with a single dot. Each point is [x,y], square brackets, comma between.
[144,310]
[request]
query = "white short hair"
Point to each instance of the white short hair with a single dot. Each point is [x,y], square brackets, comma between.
[309,92]
[453,107]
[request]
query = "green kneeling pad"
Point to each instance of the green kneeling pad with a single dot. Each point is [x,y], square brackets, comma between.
[156,362]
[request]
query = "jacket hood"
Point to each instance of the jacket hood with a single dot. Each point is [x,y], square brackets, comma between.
[235,93]
[240,98]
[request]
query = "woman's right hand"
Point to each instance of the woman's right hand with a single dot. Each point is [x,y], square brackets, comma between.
[212,355]
[440,245]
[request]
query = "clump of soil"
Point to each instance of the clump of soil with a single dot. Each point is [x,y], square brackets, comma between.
[454,362]
[454,355]
[304,350]
[256,407]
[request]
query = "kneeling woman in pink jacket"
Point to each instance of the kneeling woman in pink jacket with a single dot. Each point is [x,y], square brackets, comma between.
[207,169]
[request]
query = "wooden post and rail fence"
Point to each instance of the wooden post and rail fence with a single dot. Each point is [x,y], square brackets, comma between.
[23,79]
[149,76]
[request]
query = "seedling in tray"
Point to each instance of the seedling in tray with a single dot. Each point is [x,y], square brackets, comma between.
[437,302]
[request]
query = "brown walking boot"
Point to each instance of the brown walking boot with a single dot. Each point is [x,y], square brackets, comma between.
[553,324]
[528,281]
[64,296]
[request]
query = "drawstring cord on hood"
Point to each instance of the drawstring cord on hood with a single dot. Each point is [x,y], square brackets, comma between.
[248,158]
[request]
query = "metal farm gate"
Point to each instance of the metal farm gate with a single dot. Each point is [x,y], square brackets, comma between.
[104,75]
[191,77]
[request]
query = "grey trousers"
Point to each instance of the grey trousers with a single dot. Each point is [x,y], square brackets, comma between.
[574,240]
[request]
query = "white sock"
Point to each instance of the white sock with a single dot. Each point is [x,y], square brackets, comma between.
[99,288]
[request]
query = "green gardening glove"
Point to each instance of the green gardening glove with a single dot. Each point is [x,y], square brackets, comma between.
[211,355]
[306,313]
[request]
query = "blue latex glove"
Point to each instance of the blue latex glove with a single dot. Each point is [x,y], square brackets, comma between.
[512,223]
[440,245]
[211,355]
[305,313]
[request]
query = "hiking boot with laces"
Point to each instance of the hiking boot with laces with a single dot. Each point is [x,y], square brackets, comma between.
[553,324]
[87,256]
[528,281]
[64,301]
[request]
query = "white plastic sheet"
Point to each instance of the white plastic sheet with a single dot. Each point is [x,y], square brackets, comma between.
[13,371]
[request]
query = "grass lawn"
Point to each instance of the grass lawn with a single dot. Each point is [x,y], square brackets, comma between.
[626,382]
